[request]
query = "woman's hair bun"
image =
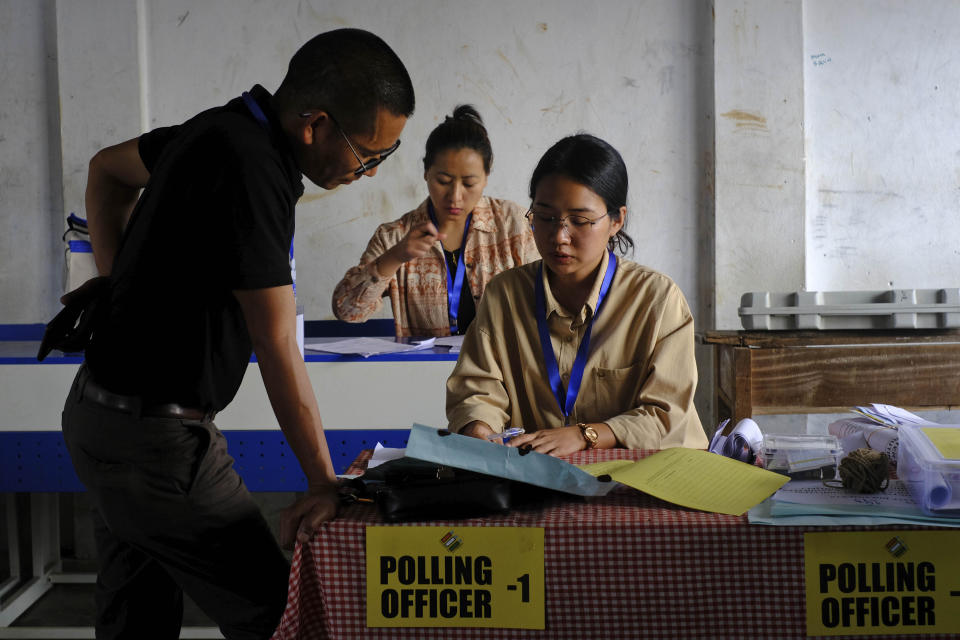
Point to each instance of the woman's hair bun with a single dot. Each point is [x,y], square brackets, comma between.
[467,112]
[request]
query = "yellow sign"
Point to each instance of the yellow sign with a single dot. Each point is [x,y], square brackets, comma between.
[455,577]
[882,582]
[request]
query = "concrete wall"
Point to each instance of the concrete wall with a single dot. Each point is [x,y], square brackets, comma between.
[759,137]
[637,74]
[31,253]
[836,152]
[882,144]
[772,145]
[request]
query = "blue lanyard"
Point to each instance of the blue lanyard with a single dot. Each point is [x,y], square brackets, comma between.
[454,284]
[261,117]
[255,109]
[568,400]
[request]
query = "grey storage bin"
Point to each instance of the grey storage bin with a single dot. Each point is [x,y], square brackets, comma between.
[892,309]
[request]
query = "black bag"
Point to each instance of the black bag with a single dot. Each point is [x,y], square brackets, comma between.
[70,330]
[408,489]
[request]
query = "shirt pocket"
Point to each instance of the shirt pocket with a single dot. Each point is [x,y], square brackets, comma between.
[615,390]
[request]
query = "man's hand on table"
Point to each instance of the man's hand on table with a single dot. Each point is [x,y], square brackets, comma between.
[299,521]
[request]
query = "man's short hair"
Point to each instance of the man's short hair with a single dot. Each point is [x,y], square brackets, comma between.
[349,73]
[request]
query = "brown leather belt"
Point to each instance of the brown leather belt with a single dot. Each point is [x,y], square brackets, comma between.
[133,405]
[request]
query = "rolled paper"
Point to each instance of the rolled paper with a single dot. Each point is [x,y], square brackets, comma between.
[743,442]
[940,491]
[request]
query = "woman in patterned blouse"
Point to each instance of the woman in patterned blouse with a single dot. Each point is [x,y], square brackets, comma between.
[435,261]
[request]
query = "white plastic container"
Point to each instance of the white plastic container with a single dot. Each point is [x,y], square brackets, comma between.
[932,478]
[892,309]
[806,457]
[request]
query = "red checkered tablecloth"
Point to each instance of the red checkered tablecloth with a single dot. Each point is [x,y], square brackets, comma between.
[626,565]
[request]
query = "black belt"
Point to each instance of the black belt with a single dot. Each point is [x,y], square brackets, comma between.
[134,405]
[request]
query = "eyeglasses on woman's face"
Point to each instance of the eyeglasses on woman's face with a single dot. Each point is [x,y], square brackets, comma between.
[574,225]
[364,166]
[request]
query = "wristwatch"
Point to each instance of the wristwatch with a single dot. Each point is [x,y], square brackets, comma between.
[589,434]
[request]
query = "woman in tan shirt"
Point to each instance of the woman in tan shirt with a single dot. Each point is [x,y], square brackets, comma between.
[580,349]
[436,260]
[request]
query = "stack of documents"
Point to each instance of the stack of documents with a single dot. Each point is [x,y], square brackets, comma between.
[875,427]
[889,415]
[810,502]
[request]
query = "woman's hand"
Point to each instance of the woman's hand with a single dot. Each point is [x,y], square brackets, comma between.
[477,429]
[555,442]
[418,241]
[415,244]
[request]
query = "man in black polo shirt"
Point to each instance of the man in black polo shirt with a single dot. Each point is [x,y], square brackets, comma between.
[199,277]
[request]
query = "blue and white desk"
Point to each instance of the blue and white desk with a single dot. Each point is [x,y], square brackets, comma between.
[362,401]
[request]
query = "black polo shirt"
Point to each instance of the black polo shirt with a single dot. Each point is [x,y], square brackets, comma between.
[217,215]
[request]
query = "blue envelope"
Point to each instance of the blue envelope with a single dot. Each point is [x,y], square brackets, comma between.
[463,452]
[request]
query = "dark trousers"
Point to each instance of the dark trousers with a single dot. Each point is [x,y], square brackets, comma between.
[171,515]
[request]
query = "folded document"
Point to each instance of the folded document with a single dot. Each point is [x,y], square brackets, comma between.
[367,347]
[696,479]
[482,456]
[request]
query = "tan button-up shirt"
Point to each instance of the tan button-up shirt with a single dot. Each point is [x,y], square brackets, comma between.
[640,373]
[499,238]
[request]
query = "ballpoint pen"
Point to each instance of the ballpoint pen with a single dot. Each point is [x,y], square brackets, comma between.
[506,435]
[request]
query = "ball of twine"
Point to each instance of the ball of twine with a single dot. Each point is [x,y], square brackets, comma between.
[865,471]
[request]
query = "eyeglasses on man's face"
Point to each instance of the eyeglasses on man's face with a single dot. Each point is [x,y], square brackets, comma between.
[364,166]
[573,224]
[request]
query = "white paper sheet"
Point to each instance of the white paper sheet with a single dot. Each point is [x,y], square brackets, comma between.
[890,415]
[813,492]
[367,347]
[482,456]
[454,342]
[383,454]
[859,433]
[743,442]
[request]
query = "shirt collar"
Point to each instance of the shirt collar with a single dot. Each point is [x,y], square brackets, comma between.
[264,99]
[482,220]
[590,308]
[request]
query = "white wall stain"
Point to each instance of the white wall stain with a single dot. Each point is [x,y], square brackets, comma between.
[862,192]
[558,106]
[746,120]
[665,79]
[504,57]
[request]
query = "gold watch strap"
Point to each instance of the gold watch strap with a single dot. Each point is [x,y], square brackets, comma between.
[591,443]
